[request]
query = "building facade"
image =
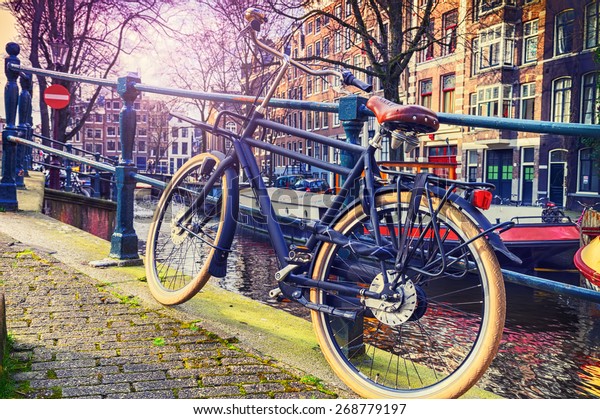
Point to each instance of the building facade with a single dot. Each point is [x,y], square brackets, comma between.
[528,59]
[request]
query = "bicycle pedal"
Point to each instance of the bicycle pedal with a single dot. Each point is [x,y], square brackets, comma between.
[275,293]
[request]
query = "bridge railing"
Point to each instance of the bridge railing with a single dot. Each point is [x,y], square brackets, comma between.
[351,110]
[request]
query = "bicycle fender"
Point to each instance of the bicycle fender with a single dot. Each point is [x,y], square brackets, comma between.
[218,263]
[484,224]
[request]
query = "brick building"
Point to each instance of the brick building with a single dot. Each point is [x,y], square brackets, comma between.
[529,59]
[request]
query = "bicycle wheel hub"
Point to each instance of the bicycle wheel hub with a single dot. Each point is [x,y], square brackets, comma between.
[397,312]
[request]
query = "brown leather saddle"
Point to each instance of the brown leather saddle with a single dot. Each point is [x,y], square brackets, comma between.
[413,118]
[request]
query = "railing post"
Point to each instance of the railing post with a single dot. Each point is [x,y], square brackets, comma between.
[124,241]
[8,187]
[68,169]
[97,185]
[352,121]
[24,117]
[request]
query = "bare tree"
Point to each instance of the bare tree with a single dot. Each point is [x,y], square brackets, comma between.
[96,33]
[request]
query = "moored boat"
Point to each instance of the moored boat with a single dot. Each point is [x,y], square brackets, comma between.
[587,261]
[542,246]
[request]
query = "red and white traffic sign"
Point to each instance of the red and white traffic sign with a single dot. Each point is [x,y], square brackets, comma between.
[57,96]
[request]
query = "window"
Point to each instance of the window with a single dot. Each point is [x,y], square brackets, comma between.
[89,133]
[142,132]
[318,48]
[338,12]
[184,132]
[588,172]
[318,24]
[98,117]
[486,6]
[309,27]
[527,100]
[336,116]
[111,131]
[426,91]
[561,97]
[111,146]
[175,148]
[308,120]
[472,161]
[475,56]
[317,120]
[337,42]
[448,93]
[184,148]
[496,46]
[425,52]
[136,106]
[349,34]
[472,107]
[530,41]
[174,132]
[592,33]
[115,117]
[142,146]
[309,51]
[450,24]
[116,105]
[495,101]
[325,47]
[589,99]
[563,35]
[348,8]
[309,85]
[98,133]
[325,120]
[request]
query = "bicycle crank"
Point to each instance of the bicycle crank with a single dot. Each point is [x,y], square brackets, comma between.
[409,303]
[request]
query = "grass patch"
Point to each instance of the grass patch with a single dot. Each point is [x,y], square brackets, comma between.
[8,388]
[158,342]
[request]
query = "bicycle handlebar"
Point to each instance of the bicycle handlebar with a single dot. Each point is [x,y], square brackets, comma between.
[256,18]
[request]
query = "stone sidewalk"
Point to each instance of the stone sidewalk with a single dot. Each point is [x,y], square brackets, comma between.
[78,338]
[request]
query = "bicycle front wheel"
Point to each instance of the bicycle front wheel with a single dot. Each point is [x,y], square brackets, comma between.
[184,233]
[439,339]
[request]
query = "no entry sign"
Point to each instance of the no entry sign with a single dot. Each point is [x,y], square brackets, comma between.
[57,96]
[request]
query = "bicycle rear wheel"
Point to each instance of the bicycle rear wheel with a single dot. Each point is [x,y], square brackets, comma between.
[184,234]
[440,340]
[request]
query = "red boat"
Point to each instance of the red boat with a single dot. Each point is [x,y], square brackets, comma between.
[542,245]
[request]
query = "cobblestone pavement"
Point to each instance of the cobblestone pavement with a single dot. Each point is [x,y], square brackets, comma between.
[79,339]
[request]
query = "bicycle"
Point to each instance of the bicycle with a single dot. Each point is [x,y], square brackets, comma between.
[584,210]
[551,213]
[405,291]
[506,201]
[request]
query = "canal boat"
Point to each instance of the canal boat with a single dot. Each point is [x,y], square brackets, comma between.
[541,246]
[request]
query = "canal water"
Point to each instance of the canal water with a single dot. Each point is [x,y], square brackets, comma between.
[551,343]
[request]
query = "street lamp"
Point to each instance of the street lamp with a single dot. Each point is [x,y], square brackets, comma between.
[59,54]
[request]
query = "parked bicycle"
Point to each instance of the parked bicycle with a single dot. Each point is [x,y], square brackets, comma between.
[405,291]
[78,185]
[498,200]
[551,213]
[585,208]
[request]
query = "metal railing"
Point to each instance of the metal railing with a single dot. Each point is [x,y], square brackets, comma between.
[124,243]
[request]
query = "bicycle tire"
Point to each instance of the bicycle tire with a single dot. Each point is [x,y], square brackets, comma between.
[469,335]
[177,261]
